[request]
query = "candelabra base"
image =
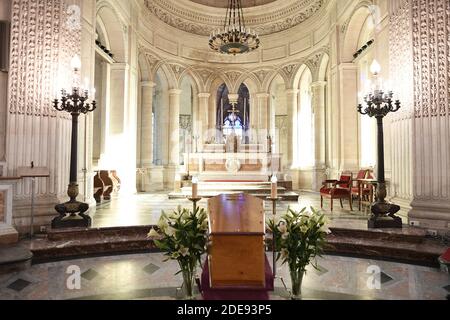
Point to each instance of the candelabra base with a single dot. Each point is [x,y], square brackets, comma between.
[383,216]
[72,213]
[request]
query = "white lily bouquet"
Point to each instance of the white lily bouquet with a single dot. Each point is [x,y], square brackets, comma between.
[299,238]
[183,236]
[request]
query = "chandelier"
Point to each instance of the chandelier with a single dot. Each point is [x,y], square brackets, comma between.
[235,38]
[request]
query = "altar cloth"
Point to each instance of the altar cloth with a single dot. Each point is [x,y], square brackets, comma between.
[236,293]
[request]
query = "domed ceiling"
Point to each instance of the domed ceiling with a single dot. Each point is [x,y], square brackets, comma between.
[264,16]
[224,3]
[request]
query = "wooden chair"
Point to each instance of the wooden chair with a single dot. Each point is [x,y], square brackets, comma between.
[107,181]
[362,174]
[363,191]
[99,187]
[337,189]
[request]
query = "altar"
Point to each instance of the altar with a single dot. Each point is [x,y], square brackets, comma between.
[247,162]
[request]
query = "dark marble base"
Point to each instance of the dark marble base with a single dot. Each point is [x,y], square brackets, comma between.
[14,258]
[404,245]
[385,222]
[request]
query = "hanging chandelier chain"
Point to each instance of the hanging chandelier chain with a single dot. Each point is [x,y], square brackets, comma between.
[235,38]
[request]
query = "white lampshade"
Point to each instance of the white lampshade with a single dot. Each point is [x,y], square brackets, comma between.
[375,67]
[194,180]
[274,179]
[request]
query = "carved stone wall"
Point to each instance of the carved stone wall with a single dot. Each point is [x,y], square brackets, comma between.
[182,17]
[420,50]
[2,207]
[401,75]
[43,41]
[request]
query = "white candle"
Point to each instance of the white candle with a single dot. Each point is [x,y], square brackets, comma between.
[245,112]
[221,112]
[274,193]
[177,182]
[194,187]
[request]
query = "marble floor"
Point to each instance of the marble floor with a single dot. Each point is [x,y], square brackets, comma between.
[146,276]
[145,209]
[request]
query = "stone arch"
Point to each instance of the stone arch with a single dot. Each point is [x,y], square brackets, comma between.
[289,73]
[353,31]
[322,71]
[251,81]
[114,29]
[163,66]
[196,80]
[273,74]
[299,74]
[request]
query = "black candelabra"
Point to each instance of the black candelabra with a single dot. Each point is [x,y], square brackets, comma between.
[378,105]
[73,213]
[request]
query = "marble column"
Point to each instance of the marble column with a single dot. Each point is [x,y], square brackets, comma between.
[146,120]
[420,39]
[203,109]
[292,156]
[318,90]
[348,117]
[5,15]
[174,127]
[86,129]
[263,115]
[42,49]
[292,112]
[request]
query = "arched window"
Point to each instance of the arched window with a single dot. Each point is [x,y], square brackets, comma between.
[305,123]
[227,122]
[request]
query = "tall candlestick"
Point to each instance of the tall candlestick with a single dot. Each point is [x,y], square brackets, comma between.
[194,187]
[274,192]
[245,112]
[221,112]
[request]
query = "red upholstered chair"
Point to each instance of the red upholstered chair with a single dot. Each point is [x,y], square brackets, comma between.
[337,189]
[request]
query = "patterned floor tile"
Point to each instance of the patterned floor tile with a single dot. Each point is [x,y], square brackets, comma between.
[151,268]
[89,274]
[19,285]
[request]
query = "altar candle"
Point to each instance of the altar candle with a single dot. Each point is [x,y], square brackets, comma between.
[194,187]
[221,112]
[274,193]
[245,112]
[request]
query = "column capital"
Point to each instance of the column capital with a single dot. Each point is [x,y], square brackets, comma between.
[150,84]
[347,66]
[292,91]
[233,97]
[317,84]
[262,95]
[174,92]
[204,95]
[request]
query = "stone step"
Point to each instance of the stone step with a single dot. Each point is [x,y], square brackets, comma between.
[397,245]
[8,235]
[285,195]
[14,258]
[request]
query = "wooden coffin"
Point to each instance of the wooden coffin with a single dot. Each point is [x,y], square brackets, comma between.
[236,251]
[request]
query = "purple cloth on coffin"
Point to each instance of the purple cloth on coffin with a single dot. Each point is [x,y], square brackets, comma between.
[236,293]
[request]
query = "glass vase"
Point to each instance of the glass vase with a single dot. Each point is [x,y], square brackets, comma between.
[297,280]
[189,284]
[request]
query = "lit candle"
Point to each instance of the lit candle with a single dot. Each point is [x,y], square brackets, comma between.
[375,69]
[177,182]
[274,193]
[194,187]
[75,63]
